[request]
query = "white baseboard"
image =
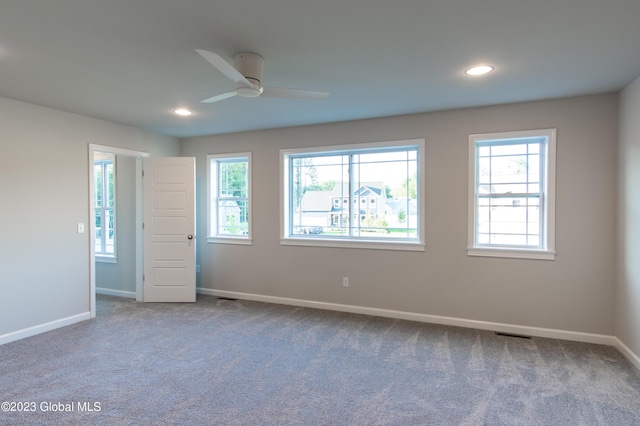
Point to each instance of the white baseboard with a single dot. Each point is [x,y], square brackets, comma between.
[600,339]
[118,293]
[43,328]
[631,356]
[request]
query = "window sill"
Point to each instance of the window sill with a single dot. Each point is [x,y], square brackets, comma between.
[230,240]
[106,259]
[357,244]
[511,253]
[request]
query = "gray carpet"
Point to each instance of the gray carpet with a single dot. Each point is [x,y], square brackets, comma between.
[223,362]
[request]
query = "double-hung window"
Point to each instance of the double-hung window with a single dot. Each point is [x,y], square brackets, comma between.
[104,171]
[512,194]
[361,196]
[229,192]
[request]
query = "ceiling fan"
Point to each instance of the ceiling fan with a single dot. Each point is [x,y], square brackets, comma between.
[247,74]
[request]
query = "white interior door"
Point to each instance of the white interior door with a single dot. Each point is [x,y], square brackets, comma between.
[169,230]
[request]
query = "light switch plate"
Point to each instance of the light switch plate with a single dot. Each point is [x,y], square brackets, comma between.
[81,228]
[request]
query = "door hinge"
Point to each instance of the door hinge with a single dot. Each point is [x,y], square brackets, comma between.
[142,277]
[143,173]
[142,225]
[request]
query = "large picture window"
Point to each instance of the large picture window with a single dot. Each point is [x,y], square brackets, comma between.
[367,195]
[229,198]
[104,170]
[512,194]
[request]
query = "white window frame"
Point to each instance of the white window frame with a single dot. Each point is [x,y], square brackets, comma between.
[102,255]
[213,161]
[546,251]
[286,238]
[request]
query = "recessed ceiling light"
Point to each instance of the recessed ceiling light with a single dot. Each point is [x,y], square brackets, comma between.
[479,70]
[183,112]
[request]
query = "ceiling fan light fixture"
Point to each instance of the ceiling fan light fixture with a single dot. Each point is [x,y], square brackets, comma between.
[249,92]
[182,112]
[479,70]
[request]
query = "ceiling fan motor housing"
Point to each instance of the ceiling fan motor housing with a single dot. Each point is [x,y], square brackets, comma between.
[250,65]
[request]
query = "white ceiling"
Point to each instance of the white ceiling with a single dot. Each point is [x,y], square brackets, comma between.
[134,61]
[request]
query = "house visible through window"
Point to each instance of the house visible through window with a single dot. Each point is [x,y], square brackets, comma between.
[104,203]
[229,198]
[511,191]
[380,185]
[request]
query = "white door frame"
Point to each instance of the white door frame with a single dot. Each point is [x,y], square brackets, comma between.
[92,225]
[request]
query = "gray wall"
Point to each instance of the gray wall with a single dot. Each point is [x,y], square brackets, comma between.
[121,276]
[44,189]
[574,292]
[628,290]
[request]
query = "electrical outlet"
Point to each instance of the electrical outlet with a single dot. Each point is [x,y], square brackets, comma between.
[345,281]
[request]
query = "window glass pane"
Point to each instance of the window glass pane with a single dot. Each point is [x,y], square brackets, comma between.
[109,232]
[98,227]
[483,238]
[508,240]
[104,203]
[233,217]
[507,188]
[509,169]
[379,193]
[484,170]
[508,149]
[233,178]
[533,188]
[316,180]
[111,185]
[508,219]
[97,189]
[534,168]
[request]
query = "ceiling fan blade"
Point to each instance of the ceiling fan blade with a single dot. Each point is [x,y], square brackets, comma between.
[282,92]
[220,97]
[224,67]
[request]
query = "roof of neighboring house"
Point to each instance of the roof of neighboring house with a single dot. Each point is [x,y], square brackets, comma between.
[366,189]
[394,205]
[230,204]
[342,190]
[320,200]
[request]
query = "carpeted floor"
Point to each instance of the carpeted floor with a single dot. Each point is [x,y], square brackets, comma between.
[223,362]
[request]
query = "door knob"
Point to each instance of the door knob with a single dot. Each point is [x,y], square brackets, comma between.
[190,237]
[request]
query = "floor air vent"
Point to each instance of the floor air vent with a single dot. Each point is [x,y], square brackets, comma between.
[519,336]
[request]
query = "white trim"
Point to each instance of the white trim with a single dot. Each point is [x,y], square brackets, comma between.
[92,226]
[230,240]
[106,259]
[43,328]
[600,339]
[549,190]
[417,244]
[224,239]
[628,353]
[117,293]
[356,146]
[512,253]
[139,230]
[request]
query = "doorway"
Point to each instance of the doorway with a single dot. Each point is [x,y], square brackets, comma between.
[103,223]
